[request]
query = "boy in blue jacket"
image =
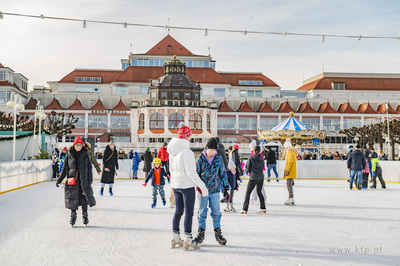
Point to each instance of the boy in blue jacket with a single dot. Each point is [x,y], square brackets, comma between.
[211,169]
[157,175]
[135,165]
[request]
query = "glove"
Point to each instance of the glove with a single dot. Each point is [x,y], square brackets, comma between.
[286,173]
[144,184]
[373,173]
[57,184]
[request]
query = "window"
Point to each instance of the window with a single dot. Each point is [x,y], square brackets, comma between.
[208,122]
[120,121]
[122,139]
[242,93]
[248,123]
[219,92]
[227,122]
[174,119]
[331,124]
[351,122]
[156,121]
[250,82]
[338,85]
[97,121]
[187,95]
[164,95]
[88,79]
[2,75]
[122,90]
[250,93]
[229,140]
[125,66]
[175,95]
[153,95]
[69,138]
[311,122]
[144,90]
[267,123]
[5,96]
[81,121]
[196,96]
[141,121]
[195,121]
[371,121]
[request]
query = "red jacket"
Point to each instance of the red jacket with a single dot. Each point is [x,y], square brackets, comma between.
[163,154]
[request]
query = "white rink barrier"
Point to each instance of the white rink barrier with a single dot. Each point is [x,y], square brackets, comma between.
[18,174]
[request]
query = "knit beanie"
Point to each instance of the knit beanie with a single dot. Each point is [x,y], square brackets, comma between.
[287,143]
[78,140]
[184,131]
[111,142]
[212,144]
[147,149]
[235,147]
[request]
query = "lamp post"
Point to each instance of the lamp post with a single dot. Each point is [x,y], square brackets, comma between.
[387,123]
[41,116]
[15,107]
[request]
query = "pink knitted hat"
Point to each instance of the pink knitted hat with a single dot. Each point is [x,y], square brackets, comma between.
[184,131]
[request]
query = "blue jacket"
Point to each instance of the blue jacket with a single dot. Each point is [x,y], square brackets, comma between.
[212,175]
[356,161]
[162,175]
[136,161]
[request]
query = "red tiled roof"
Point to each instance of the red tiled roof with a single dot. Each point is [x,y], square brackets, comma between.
[398,108]
[224,107]
[244,107]
[285,108]
[366,108]
[365,84]
[326,108]
[265,108]
[382,109]
[346,108]
[54,105]
[306,108]
[1,65]
[121,106]
[144,73]
[169,46]
[233,79]
[77,105]
[98,106]
[31,104]
[107,76]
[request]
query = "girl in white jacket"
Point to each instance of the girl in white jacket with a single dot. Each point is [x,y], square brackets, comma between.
[184,178]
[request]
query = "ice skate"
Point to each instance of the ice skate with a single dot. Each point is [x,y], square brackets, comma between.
[110,190]
[219,237]
[277,179]
[231,209]
[101,191]
[262,211]
[164,202]
[269,180]
[189,242]
[73,218]
[172,205]
[200,235]
[176,240]
[154,204]
[85,218]
[227,208]
[243,212]
[290,201]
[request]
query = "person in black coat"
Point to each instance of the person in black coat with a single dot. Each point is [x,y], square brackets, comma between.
[236,160]
[356,163]
[270,157]
[77,165]
[110,165]
[147,158]
[221,151]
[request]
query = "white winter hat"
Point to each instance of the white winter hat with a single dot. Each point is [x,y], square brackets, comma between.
[287,143]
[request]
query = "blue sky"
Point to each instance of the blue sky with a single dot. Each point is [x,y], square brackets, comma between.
[46,50]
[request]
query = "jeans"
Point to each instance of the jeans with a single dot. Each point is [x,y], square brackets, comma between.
[134,173]
[273,167]
[184,201]
[213,201]
[160,189]
[250,186]
[353,173]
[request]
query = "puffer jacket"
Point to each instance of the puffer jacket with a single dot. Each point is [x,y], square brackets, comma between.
[136,161]
[182,165]
[356,161]
[255,166]
[163,154]
[212,175]
[291,163]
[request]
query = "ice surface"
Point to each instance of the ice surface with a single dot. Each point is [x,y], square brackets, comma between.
[124,230]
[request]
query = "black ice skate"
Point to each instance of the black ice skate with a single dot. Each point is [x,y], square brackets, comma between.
[85,218]
[101,191]
[219,237]
[200,235]
[73,218]
[111,193]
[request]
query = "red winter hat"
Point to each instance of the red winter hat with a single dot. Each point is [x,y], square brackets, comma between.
[184,131]
[235,147]
[78,140]
[65,148]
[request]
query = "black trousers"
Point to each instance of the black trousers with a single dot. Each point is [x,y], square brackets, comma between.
[250,186]
[55,170]
[378,173]
[364,182]
[166,166]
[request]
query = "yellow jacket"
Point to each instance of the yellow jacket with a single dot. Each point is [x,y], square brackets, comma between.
[291,163]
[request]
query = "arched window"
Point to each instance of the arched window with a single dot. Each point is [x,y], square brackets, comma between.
[156,121]
[141,121]
[208,122]
[174,120]
[195,121]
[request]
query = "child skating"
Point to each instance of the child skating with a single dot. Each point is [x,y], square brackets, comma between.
[135,165]
[157,175]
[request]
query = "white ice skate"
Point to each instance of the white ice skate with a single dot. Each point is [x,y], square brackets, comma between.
[227,208]
[189,242]
[231,209]
[243,212]
[290,201]
[176,240]
[262,211]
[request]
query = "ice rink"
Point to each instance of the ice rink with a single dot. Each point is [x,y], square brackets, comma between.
[330,225]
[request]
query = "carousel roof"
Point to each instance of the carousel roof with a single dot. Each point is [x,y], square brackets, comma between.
[291,124]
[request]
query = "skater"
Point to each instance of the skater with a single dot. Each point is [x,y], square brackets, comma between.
[365,174]
[211,169]
[147,158]
[63,153]
[255,166]
[238,162]
[356,163]
[110,165]
[55,159]
[157,175]
[164,156]
[92,158]
[78,188]
[183,180]
[232,179]
[376,171]
[271,163]
[135,165]
[290,169]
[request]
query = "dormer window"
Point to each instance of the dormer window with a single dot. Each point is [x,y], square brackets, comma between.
[175,95]
[338,86]
[187,95]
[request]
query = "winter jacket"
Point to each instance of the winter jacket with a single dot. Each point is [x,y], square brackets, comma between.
[367,152]
[110,161]
[162,175]
[356,161]
[163,154]
[78,164]
[255,166]
[130,155]
[366,169]
[291,163]
[221,151]
[382,158]
[270,157]
[147,159]
[182,165]
[212,175]
[93,158]
[136,161]
[375,164]
[236,160]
